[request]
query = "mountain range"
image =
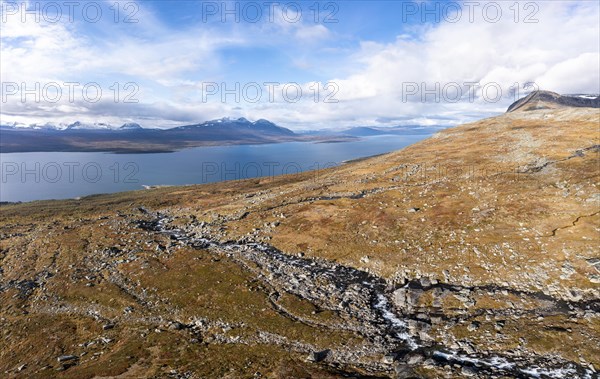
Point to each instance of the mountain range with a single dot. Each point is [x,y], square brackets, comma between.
[222,123]
[131,137]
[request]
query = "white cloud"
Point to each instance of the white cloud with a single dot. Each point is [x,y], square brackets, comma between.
[44,51]
[312,33]
[579,74]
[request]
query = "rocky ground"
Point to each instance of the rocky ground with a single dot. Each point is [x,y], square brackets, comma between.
[471,254]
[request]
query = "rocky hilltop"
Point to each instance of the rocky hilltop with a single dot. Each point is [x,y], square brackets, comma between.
[470,254]
[550,100]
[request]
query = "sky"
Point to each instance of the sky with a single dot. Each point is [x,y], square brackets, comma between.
[304,65]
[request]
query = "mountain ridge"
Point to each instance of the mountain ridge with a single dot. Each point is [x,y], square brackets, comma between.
[548,100]
[226,122]
[132,138]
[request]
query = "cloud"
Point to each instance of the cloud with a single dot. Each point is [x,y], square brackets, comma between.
[40,51]
[557,53]
[312,33]
[560,52]
[579,74]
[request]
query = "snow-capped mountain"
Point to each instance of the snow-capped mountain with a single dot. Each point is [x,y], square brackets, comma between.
[77,125]
[239,124]
[13,125]
[130,126]
[131,137]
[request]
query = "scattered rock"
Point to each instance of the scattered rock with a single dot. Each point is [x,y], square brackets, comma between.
[389,358]
[317,356]
[425,282]
[67,358]
[414,358]
[468,371]
[176,326]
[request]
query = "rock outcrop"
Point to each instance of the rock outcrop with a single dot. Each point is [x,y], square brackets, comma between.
[549,100]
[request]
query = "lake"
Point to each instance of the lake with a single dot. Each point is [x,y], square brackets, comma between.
[56,175]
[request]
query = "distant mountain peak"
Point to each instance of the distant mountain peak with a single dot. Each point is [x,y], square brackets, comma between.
[78,125]
[228,119]
[130,126]
[263,122]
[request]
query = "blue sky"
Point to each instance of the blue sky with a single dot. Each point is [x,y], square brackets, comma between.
[378,56]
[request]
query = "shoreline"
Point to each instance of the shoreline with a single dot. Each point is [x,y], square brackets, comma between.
[308,168]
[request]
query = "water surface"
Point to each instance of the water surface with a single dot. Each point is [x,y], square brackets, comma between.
[56,175]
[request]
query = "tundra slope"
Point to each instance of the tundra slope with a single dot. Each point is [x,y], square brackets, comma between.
[472,253]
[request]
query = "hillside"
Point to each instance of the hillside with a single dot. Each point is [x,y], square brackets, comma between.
[472,253]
